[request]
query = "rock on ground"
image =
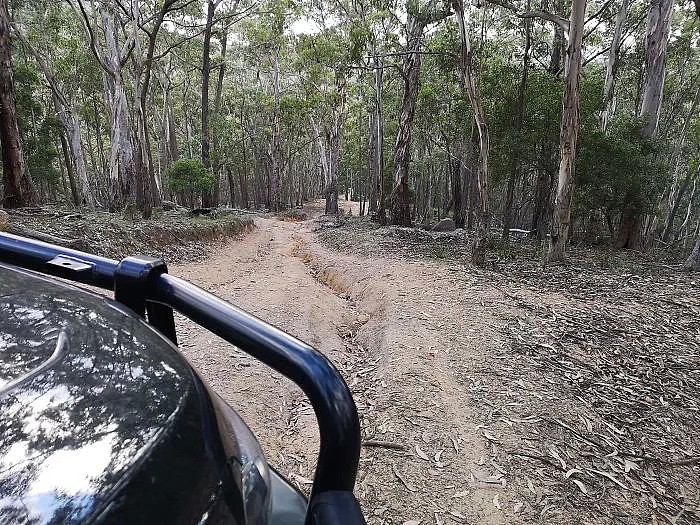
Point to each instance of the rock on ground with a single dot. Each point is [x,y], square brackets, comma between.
[445,225]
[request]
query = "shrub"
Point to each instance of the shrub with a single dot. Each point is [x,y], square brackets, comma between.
[189,176]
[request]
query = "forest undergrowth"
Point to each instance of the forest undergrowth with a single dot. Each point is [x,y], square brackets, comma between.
[175,236]
[588,406]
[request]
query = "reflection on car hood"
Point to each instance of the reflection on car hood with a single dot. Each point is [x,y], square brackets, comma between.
[86,390]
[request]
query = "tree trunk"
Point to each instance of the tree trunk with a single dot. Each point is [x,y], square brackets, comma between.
[275,146]
[689,209]
[693,262]
[103,170]
[558,42]
[655,44]
[69,170]
[216,165]
[674,204]
[629,234]
[538,224]
[611,71]
[334,145]
[379,123]
[520,117]
[400,205]
[482,171]
[207,196]
[169,147]
[148,192]
[122,166]
[70,119]
[568,137]
[17,186]
[674,198]
[231,186]
[373,185]
[376,187]
[457,189]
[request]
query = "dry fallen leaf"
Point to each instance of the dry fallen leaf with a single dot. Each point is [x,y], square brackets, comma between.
[422,454]
[530,486]
[412,522]
[489,436]
[496,502]
[553,452]
[630,465]
[439,463]
[518,507]
[572,472]
[581,486]
[607,475]
[483,478]
[403,480]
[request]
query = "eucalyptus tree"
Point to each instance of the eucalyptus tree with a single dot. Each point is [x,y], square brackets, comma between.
[111,54]
[569,136]
[613,64]
[148,22]
[118,35]
[323,62]
[18,189]
[482,170]
[168,140]
[42,32]
[515,167]
[268,56]
[655,47]
[418,16]
[212,25]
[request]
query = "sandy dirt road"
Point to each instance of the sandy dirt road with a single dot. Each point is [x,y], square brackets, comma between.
[384,326]
[420,342]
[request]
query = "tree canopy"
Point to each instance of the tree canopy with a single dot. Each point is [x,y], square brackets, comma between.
[419,109]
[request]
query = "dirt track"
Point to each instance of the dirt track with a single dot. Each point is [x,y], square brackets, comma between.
[412,338]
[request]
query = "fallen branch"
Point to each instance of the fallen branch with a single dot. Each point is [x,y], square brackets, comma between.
[383,444]
[26,232]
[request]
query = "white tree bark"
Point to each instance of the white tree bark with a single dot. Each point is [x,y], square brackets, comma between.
[68,115]
[611,70]
[71,121]
[122,165]
[568,137]
[377,205]
[329,141]
[655,45]
[275,148]
[482,226]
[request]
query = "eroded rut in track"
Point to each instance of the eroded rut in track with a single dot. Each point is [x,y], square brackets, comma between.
[380,322]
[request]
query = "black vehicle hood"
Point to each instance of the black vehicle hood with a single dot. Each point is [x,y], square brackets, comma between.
[87,389]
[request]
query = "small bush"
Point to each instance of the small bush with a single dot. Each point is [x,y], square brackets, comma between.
[189,176]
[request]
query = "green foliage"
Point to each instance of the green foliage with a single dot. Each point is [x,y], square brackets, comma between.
[620,171]
[39,128]
[189,176]
[41,152]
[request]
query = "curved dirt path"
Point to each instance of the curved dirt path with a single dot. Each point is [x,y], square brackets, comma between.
[404,334]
